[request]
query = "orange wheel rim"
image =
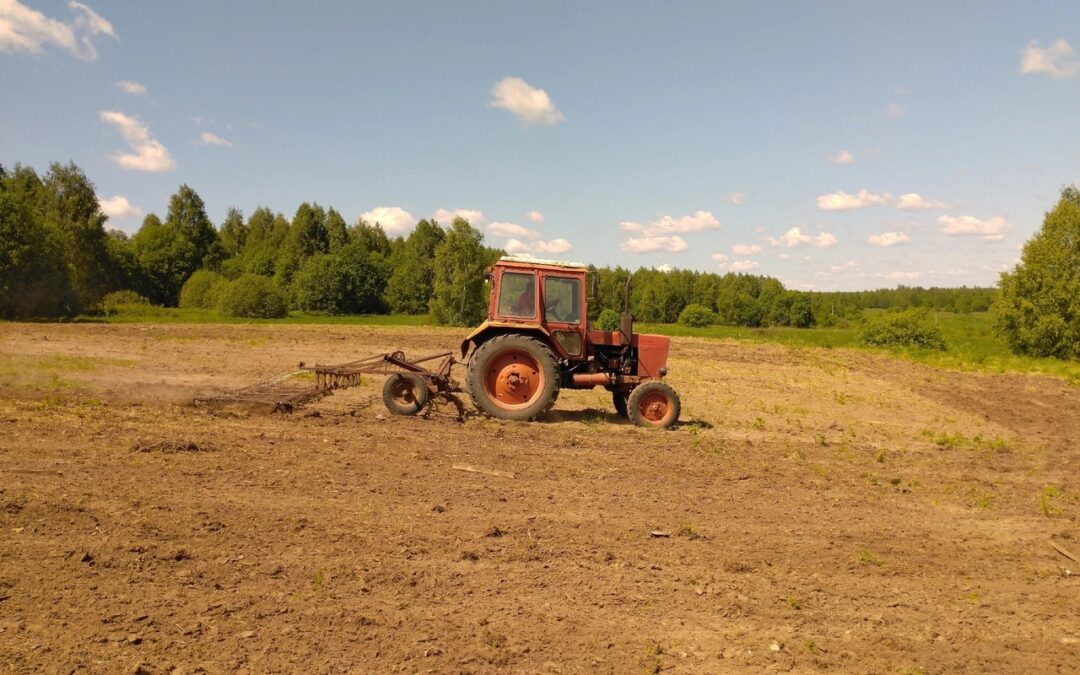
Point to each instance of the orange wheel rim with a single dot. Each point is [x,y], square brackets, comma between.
[654,407]
[514,379]
[404,391]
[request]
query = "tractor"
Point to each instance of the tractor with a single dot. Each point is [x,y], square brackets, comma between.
[536,341]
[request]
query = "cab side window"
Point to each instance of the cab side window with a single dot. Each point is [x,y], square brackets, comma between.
[517,295]
[562,300]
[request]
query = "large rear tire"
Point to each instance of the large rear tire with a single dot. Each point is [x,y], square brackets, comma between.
[404,394]
[513,377]
[654,404]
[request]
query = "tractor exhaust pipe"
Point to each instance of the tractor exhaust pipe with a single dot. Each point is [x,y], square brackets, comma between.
[589,380]
[626,321]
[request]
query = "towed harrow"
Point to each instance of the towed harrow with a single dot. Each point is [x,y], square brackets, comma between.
[410,383]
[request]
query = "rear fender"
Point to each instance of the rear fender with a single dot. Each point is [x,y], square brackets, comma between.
[490,329]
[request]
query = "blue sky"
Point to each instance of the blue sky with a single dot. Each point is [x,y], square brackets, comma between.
[834,145]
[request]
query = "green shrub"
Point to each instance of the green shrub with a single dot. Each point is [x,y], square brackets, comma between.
[1037,310]
[608,320]
[253,296]
[350,281]
[911,328]
[202,290]
[697,316]
[124,302]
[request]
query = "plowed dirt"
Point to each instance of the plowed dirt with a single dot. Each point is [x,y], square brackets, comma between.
[816,510]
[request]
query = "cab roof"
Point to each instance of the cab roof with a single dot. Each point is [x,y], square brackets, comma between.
[537,262]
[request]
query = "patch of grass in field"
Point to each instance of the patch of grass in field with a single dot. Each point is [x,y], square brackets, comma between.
[178,315]
[49,374]
[867,557]
[972,344]
[971,340]
[1048,501]
[794,337]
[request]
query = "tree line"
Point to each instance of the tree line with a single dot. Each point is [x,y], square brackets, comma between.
[58,258]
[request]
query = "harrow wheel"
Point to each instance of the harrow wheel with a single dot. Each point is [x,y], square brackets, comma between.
[405,394]
[654,404]
[513,377]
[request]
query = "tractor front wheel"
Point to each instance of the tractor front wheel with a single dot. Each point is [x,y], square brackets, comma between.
[404,394]
[654,404]
[618,397]
[513,377]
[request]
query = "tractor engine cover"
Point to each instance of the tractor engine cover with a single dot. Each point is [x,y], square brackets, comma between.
[652,353]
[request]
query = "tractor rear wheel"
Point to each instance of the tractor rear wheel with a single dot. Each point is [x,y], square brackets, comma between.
[513,377]
[404,394]
[654,404]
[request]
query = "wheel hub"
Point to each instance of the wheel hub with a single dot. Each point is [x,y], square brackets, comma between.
[654,407]
[403,392]
[513,379]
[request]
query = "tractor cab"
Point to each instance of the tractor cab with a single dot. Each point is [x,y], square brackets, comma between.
[536,340]
[546,297]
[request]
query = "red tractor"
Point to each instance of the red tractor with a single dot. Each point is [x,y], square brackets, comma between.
[536,341]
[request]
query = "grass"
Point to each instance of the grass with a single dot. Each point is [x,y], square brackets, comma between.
[177,315]
[972,342]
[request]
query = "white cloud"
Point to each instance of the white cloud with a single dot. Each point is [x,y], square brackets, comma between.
[535,216]
[842,157]
[889,239]
[514,230]
[130,87]
[528,104]
[118,206]
[666,267]
[744,265]
[27,30]
[842,201]
[993,229]
[1057,60]
[737,198]
[904,275]
[445,217]
[207,138]
[913,201]
[516,246]
[796,237]
[394,219]
[147,153]
[719,257]
[651,244]
[746,249]
[700,220]
[895,110]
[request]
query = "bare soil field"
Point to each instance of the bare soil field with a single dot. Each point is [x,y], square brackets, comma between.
[818,510]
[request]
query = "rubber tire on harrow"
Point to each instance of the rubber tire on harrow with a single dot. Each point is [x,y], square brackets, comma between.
[505,355]
[654,404]
[618,397]
[404,394]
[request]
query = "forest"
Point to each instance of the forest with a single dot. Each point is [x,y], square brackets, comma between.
[59,258]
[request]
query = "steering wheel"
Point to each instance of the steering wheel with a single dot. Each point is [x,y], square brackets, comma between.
[554,311]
